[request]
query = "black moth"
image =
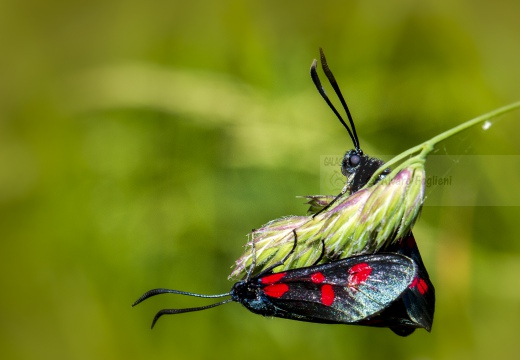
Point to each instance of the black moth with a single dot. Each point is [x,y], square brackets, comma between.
[348,291]
[387,289]
[356,166]
[416,306]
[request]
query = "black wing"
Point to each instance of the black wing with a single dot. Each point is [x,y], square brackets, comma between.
[419,298]
[415,308]
[345,291]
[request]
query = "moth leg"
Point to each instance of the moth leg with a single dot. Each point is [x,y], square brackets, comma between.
[322,253]
[295,243]
[343,191]
[281,262]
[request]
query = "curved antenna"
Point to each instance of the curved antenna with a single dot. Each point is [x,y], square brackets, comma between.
[316,81]
[334,84]
[159,291]
[180,311]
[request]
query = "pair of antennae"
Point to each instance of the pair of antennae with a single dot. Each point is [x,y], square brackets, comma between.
[180,311]
[334,84]
[355,140]
[159,291]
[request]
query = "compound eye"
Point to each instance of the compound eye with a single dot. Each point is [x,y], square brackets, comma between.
[354,160]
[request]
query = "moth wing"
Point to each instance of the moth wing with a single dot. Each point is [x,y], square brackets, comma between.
[419,298]
[343,291]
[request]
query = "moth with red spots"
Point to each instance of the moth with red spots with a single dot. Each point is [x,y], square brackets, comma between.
[347,291]
[390,288]
[416,306]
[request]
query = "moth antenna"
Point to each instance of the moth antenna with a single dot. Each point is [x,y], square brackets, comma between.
[154,292]
[335,86]
[180,311]
[321,90]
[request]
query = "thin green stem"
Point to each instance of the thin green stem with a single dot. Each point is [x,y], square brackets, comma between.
[427,147]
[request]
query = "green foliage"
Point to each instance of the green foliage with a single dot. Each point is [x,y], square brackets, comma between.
[141,141]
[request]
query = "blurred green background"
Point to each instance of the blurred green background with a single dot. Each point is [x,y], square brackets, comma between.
[140,142]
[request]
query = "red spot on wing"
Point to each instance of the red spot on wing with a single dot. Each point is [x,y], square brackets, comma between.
[327,295]
[420,284]
[276,290]
[317,278]
[358,274]
[271,279]
[422,287]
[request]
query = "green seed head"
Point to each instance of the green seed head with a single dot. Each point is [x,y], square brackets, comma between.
[363,222]
[359,223]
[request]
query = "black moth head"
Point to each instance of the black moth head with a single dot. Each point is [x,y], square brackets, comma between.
[244,291]
[357,167]
[352,160]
